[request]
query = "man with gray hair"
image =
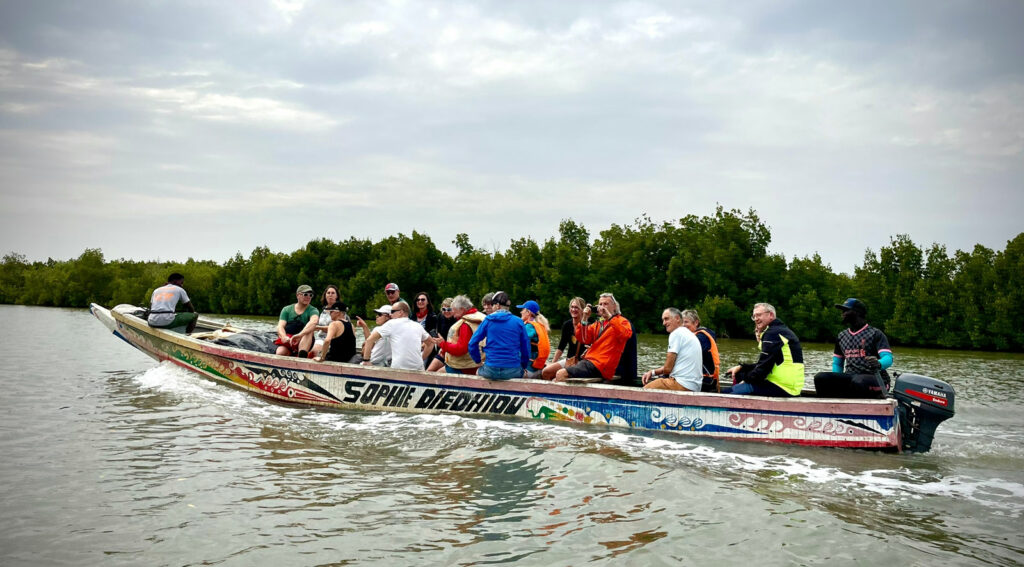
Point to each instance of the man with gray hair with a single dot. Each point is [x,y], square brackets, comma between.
[682,368]
[606,338]
[487,303]
[764,313]
[779,370]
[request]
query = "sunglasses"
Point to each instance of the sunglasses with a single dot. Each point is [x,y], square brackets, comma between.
[307,293]
[446,309]
[421,299]
[389,292]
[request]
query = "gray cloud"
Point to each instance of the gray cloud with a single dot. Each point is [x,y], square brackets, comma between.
[289,121]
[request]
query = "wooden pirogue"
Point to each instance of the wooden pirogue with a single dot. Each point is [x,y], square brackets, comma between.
[905,421]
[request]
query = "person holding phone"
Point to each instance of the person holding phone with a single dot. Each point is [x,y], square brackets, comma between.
[605,338]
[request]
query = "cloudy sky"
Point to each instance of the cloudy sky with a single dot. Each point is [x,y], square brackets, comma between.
[164,130]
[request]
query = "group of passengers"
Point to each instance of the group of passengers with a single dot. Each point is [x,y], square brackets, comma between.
[495,344]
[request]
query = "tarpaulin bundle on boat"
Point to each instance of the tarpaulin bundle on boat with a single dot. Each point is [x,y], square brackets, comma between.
[250,340]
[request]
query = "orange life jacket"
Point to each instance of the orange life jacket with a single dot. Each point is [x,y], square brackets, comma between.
[714,353]
[543,345]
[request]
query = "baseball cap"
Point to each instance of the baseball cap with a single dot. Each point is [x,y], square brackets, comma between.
[339,306]
[383,310]
[391,287]
[304,289]
[852,303]
[532,305]
[501,298]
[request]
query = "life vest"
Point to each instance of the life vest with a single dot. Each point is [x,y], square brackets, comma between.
[543,345]
[789,375]
[460,362]
[714,353]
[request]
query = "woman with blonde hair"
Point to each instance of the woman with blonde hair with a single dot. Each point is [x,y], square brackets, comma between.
[537,328]
[568,344]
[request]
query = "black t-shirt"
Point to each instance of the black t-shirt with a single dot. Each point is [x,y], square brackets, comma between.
[343,348]
[568,339]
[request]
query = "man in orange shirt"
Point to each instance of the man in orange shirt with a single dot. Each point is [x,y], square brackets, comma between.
[606,338]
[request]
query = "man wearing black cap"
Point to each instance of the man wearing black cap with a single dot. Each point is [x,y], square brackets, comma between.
[340,342]
[860,358]
[507,347]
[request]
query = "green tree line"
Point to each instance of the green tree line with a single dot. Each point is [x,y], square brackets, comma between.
[718,264]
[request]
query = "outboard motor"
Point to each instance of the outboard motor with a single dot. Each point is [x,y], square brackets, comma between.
[924,403]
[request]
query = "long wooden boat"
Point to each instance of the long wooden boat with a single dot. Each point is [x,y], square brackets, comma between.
[870,424]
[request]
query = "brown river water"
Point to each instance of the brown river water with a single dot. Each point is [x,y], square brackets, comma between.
[109,458]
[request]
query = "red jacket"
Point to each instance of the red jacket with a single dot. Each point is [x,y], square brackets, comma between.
[461,346]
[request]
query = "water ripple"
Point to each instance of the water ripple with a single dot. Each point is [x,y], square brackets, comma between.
[122,461]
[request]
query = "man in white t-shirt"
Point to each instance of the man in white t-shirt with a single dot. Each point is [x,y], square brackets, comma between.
[164,301]
[410,342]
[683,369]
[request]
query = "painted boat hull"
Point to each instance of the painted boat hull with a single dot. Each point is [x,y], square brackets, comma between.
[869,424]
